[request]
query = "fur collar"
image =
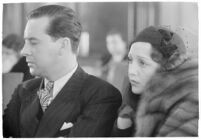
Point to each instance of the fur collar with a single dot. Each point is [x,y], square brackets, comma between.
[164,90]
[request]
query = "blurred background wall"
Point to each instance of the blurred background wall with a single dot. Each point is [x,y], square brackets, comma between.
[128,17]
[99,18]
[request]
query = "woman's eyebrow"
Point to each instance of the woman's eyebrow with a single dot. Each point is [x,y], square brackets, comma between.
[144,58]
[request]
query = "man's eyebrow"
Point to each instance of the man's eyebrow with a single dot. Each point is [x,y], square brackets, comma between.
[30,38]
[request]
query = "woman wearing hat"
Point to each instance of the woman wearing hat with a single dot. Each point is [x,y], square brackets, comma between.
[162,98]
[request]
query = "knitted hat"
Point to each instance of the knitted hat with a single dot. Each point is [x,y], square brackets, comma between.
[168,43]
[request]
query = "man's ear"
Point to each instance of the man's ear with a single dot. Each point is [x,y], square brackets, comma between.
[65,45]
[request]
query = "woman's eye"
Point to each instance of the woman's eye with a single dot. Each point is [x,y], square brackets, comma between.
[142,63]
[33,43]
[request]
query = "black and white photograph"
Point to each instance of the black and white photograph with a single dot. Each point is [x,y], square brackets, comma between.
[100,69]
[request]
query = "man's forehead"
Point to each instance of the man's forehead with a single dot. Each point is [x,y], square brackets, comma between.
[36,26]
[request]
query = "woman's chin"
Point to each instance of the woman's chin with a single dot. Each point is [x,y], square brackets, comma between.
[136,90]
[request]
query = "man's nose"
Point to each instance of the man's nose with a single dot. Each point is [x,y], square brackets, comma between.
[25,50]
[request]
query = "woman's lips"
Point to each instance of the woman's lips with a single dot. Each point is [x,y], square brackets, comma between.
[134,83]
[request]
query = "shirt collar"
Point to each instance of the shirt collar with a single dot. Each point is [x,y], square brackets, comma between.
[58,84]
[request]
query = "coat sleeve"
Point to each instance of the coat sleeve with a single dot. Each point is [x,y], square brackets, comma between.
[182,119]
[116,132]
[125,112]
[11,117]
[98,115]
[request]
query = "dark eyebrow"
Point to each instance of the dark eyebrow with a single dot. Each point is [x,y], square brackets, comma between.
[144,58]
[30,38]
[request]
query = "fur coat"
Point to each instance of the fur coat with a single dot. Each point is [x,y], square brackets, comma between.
[169,106]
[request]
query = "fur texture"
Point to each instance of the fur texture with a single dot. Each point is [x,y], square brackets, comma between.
[169,106]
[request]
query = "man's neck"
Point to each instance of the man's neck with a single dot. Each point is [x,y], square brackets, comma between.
[60,72]
[64,77]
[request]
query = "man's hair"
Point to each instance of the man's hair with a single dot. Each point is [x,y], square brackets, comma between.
[63,22]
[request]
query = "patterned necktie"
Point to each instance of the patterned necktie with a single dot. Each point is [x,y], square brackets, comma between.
[45,95]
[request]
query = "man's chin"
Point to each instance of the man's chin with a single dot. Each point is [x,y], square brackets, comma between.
[33,72]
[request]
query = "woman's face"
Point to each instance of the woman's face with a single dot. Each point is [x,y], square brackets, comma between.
[141,66]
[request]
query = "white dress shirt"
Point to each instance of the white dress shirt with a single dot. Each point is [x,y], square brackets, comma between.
[59,84]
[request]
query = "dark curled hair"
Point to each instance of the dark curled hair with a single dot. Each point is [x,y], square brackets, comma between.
[155,55]
[63,22]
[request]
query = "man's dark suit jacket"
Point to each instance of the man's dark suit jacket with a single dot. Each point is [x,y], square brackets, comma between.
[89,103]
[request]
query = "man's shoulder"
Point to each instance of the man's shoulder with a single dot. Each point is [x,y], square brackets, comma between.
[31,84]
[97,85]
[27,87]
[94,81]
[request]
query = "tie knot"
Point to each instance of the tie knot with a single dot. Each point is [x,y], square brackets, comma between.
[49,86]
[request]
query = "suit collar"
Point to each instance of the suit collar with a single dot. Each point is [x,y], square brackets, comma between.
[54,116]
[32,105]
[59,83]
[32,84]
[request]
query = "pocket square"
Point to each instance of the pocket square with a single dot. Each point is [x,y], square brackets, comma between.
[66,125]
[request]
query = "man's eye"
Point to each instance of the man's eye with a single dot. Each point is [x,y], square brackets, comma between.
[129,59]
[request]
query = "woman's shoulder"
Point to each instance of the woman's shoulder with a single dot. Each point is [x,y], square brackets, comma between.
[187,72]
[171,87]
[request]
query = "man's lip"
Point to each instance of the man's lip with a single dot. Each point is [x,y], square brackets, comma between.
[29,63]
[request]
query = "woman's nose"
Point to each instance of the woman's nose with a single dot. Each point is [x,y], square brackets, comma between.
[133,69]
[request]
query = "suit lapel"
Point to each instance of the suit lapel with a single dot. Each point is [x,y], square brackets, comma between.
[62,106]
[31,103]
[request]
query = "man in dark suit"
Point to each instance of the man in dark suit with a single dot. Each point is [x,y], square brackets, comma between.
[64,101]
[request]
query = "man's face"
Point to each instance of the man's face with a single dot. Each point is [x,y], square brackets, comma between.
[115,44]
[40,49]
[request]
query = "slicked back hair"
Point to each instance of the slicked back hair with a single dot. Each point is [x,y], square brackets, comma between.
[63,23]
